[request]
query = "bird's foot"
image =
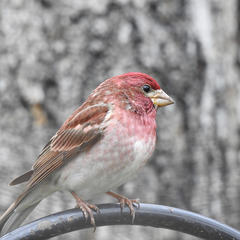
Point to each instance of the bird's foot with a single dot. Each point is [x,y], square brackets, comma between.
[86,208]
[123,200]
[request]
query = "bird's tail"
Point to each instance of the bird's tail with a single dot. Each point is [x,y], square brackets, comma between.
[14,218]
[21,208]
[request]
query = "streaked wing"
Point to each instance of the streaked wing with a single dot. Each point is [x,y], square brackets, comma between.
[79,132]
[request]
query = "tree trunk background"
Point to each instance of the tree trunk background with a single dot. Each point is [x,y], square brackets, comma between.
[53,55]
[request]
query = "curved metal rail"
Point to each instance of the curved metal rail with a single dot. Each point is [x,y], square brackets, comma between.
[110,214]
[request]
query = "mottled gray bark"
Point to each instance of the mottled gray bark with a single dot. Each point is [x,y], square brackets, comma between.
[54,53]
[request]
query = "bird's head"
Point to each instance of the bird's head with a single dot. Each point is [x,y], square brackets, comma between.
[133,91]
[141,91]
[143,85]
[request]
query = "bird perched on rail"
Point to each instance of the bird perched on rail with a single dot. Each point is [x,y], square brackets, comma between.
[99,147]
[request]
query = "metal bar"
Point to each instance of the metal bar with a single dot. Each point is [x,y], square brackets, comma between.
[110,214]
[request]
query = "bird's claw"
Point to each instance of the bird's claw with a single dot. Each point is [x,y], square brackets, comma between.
[86,209]
[129,202]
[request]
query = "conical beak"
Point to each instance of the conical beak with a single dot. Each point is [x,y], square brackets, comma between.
[160,98]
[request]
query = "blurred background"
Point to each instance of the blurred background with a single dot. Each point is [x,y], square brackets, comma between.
[54,53]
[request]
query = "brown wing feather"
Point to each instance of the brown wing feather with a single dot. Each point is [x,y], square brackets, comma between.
[78,133]
[23,178]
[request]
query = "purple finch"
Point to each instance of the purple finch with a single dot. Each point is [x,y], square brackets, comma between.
[99,147]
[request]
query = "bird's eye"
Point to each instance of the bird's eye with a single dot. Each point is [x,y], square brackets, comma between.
[146,88]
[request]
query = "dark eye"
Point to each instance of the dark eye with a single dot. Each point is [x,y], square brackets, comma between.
[146,88]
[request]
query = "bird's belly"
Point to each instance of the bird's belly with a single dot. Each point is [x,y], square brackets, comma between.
[105,166]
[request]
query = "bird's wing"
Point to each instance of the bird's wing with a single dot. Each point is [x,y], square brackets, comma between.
[79,133]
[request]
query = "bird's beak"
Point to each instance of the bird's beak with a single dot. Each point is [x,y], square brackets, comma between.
[160,98]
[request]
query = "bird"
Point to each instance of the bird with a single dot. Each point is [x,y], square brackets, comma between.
[103,144]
